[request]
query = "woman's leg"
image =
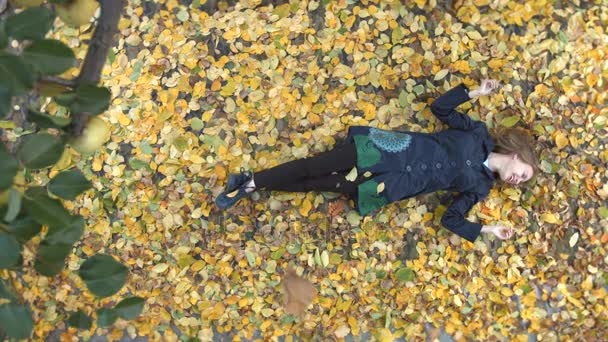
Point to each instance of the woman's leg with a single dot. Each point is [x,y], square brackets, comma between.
[331,183]
[314,173]
[324,172]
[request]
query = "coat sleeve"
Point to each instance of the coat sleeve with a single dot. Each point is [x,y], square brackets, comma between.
[444,108]
[454,220]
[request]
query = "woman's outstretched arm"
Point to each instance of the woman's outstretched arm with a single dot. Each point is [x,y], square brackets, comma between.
[444,107]
[454,220]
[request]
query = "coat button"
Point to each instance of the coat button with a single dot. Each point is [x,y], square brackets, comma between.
[408,168]
[468,162]
[438,165]
[423,166]
[453,163]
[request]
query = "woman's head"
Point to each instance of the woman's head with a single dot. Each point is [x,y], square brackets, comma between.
[516,143]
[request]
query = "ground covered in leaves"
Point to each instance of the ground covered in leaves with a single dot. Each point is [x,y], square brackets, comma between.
[197,96]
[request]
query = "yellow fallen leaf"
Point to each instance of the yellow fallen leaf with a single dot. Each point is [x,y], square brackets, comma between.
[592,79]
[575,302]
[561,140]
[97,164]
[354,325]
[474,35]
[324,259]
[573,239]
[305,208]
[342,331]
[267,312]
[232,194]
[197,265]
[352,175]
[462,66]
[441,74]
[228,89]
[256,95]
[507,292]
[265,325]
[160,268]
[457,300]
[123,119]
[588,283]
[549,218]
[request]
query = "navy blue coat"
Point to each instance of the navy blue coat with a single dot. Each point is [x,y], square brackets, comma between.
[405,164]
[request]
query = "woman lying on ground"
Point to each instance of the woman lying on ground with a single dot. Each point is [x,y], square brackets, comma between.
[393,165]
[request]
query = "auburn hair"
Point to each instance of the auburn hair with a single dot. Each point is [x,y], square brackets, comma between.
[509,140]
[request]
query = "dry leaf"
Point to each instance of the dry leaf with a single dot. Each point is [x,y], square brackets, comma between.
[336,208]
[352,175]
[298,293]
[232,194]
[380,188]
[573,239]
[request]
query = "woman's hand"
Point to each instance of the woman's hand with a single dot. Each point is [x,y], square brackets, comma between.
[486,88]
[501,232]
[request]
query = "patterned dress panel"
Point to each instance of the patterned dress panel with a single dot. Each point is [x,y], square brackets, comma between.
[388,141]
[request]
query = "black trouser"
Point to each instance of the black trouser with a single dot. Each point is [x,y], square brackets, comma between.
[323,172]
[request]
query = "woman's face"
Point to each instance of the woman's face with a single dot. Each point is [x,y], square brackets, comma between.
[516,171]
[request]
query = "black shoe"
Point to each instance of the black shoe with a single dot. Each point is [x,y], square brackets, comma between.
[228,198]
[236,180]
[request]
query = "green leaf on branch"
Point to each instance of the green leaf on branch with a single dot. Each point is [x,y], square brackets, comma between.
[49,56]
[66,234]
[65,99]
[103,275]
[130,308]
[16,321]
[33,23]
[69,184]
[45,210]
[16,73]
[47,121]
[14,205]
[38,151]
[24,228]
[51,258]
[10,251]
[91,99]
[8,168]
[106,317]
[80,320]
[5,292]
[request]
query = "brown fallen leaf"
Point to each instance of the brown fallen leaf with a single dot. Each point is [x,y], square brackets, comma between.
[298,293]
[336,208]
[434,334]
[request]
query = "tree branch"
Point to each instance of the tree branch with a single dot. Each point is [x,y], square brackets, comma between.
[59,80]
[97,53]
[3,5]
[101,42]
